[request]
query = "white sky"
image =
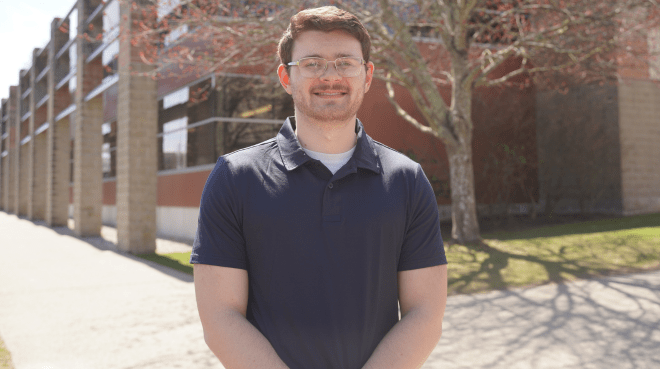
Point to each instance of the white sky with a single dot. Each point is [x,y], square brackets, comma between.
[24,26]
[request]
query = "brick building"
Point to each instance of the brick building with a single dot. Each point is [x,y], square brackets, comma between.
[84,138]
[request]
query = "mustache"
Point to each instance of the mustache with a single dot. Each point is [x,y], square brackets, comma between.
[337,87]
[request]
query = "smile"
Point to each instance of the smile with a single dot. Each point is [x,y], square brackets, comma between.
[330,94]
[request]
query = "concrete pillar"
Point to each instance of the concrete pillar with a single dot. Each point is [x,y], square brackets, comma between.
[11,201]
[58,145]
[137,157]
[38,207]
[37,146]
[87,166]
[639,120]
[28,164]
[22,162]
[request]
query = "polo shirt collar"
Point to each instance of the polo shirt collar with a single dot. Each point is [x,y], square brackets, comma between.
[293,155]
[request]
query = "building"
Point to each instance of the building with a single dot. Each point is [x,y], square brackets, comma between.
[84,138]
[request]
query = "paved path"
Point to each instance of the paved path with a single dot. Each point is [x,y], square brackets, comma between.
[605,323]
[67,302]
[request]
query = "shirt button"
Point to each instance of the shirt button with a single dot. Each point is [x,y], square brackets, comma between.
[330,185]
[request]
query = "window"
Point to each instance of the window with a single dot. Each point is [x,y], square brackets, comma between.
[165,7]
[72,67]
[110,60]
[73,24]
[175,98]
[105,155]
[111,21]
[175,34]
[200,123]
[109,149]
[174,144]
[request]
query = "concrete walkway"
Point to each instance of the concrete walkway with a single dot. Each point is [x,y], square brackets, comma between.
[67,302]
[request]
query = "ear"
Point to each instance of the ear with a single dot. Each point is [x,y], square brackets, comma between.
[369,77]
[284,78]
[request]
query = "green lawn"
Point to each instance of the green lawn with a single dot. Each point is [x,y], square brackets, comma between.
[536,256]
[556,254]
[178,260]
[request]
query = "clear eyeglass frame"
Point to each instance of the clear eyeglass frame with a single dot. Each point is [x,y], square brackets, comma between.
[343,69]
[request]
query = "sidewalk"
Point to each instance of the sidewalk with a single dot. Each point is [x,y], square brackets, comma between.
[65,303]
[605,323]
[78,303]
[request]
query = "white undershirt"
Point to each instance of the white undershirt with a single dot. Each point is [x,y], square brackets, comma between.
[333,161]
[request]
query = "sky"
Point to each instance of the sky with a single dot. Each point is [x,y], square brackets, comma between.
[24,26]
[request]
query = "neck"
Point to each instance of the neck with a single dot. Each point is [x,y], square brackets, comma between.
[326,137]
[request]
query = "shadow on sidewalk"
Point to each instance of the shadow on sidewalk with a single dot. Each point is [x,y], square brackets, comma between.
[601,323]
[107,245]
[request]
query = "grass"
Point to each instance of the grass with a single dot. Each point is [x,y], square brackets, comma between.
[555,254]
[536,256]
[178,260]
[5,356]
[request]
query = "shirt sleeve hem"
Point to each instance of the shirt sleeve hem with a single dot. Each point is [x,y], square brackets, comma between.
[418,264]
[227,263]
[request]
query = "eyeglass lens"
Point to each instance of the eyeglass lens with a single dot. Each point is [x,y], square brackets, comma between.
[346,67]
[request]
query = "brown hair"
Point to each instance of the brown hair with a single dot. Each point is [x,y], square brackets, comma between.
[326,19]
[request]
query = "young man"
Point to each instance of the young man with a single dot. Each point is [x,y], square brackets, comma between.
[308,241]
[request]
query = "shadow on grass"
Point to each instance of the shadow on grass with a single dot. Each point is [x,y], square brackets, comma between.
[605,225]
[167,261]
[557,267]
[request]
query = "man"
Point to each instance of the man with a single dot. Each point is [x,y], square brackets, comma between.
[307,242]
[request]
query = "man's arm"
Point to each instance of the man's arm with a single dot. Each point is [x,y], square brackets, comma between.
[222,295]
[422,297]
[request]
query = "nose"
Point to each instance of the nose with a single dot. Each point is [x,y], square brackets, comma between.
[331,73]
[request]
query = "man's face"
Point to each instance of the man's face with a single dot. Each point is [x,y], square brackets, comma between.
[330,98]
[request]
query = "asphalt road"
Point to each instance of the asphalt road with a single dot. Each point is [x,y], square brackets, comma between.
[67,302]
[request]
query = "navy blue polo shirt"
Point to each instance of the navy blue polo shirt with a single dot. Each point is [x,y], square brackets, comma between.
[322,251]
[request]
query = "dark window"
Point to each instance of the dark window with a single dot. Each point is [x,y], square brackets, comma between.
[201,123]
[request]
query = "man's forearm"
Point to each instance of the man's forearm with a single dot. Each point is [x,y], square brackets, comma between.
[409,343]
[238,344]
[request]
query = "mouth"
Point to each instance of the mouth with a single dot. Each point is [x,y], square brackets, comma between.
[330,91]
[329,94]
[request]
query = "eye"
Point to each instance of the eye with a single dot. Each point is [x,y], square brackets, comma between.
[310,63]
[346,62]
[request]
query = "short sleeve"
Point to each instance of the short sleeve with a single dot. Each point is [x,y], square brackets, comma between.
[422,244]
[219,239]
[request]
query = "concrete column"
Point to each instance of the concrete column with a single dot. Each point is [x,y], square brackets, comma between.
[87,164]
[137,158]
[28,164]
[37,174]
[639,120]
[38,207]
[58,146]
[22,165]
[11,200]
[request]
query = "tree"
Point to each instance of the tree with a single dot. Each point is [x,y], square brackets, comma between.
[428,47]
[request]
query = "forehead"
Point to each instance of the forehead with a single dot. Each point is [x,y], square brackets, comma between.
[331,45]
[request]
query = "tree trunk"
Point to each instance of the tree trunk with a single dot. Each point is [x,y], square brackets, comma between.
[465,226]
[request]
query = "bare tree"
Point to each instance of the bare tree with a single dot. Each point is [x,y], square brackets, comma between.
[473,43]
[424,46]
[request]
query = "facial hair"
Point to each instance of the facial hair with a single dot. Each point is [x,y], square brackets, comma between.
[330,113]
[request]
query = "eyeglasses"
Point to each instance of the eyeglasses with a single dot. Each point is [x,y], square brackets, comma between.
[315,67]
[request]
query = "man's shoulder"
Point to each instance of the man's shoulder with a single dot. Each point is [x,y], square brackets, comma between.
[391,159]
[252,156]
